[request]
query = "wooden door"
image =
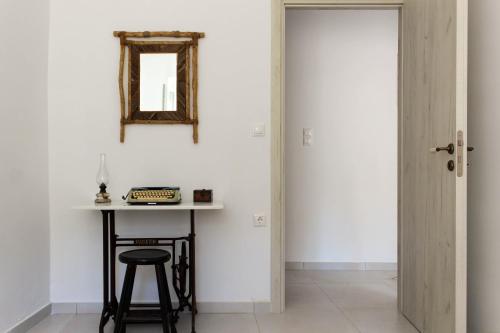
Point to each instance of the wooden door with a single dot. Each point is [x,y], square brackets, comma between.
[433,202]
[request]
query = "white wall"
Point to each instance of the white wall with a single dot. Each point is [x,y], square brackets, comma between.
[233,256]
[84,121]
[484,179]
[341,81]
[24,235]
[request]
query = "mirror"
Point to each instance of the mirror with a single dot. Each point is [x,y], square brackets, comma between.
[158,86]
[158,83]
[158,78]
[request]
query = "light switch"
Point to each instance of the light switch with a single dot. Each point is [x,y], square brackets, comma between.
[259,130]
[307,137]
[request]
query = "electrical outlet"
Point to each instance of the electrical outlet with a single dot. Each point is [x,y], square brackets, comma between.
[259,220]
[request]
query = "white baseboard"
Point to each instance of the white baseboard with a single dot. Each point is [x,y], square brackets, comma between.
[341,266]
[203,307]
[31,321]
[64,308]
[262,307]
[381,266]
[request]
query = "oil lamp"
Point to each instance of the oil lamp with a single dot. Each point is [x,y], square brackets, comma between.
[102,180]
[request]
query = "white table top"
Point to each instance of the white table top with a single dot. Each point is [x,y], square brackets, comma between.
[122,205]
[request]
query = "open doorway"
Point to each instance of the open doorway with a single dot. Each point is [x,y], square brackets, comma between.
[341,166]
[432,157]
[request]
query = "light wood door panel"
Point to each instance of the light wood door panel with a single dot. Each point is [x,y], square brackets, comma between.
[431,263]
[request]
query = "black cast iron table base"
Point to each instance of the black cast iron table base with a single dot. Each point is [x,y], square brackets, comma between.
[183,273]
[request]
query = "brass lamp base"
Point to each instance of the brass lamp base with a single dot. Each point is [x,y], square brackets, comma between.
[102,197]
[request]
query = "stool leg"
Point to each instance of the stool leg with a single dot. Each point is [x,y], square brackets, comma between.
[165,301]
[125,299]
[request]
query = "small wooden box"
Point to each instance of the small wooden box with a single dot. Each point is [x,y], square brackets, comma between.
[202,195]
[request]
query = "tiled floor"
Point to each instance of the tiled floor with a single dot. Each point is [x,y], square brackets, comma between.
[317,302]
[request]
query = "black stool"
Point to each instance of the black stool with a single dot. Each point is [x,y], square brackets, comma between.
[145,257]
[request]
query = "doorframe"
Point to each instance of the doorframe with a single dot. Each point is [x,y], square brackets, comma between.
[277,145]
[278,130]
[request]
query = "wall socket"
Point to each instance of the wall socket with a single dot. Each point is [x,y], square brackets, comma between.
[259,220]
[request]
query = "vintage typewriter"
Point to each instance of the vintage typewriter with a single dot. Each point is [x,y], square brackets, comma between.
[153,196]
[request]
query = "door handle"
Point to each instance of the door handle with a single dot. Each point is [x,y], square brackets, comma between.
[449,148]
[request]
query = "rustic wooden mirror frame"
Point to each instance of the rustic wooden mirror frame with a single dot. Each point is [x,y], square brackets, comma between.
[185,45]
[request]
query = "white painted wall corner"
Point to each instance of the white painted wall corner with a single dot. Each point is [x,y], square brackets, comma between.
[32,320]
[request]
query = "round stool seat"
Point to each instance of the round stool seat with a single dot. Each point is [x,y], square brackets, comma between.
[145,257]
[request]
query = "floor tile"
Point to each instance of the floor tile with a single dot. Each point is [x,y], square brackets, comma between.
[306,321]
[85,323]
[53,324]
[299,296]
[298,277]
[358,295]
[379,320]
[221,323]
[393,283]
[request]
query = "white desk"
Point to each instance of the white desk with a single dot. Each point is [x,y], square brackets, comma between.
[122,205]
[185,290]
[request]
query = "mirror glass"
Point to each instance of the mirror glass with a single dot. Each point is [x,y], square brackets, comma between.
[158,82]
